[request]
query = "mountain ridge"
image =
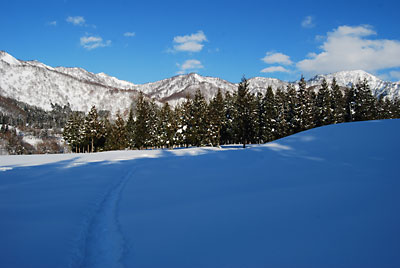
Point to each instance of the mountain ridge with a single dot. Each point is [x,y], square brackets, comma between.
[40,85]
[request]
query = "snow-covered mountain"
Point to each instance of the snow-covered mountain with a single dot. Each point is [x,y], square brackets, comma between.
[348,78]
[38,84]
[177,88]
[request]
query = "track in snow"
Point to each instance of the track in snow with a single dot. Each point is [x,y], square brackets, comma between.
[105,242]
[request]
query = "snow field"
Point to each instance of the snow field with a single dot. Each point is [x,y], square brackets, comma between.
[327,197]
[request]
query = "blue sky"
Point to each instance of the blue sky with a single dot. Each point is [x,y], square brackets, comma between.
[145,41]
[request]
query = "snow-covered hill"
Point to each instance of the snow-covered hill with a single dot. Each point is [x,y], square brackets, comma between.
[327,197]
[40,85]
[37,84]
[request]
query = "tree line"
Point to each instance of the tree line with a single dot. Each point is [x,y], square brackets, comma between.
[238,118]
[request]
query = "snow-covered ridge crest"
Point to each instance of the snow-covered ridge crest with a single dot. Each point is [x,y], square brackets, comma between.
[5,57]
[349,78]
[40,85]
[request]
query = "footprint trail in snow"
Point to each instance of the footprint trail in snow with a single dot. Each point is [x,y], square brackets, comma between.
[105,242]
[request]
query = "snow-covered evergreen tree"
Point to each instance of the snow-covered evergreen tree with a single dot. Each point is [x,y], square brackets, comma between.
[324,112]
[365,103]
[292,110]
[283,117]
[243,105]
[141,133]
[198,133]
[153,125]
[350,104]
[337,103]
[259,122]
[130,129]
[304,108]
[93,130]
[227,131]
[168,126]
[270,116]
[184,129]
[72,131]
[117,137]
[216,114]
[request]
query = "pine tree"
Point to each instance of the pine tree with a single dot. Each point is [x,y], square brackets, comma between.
[130,129]
[93,130]
[216,114]
[270,116]
[110,143]
[365,103]
[141,133]
[168,126]
[259,123]
[254,119]
[119,134]
[395,108]
[283,118]
[179,135]
[350,104]
[387,107]
[198,120]
[304,108]
[292,110]
[228,131]
[153,125]
[323,105]
[72,131]
[381,109]
[338,103]
[244,112]
[184,131]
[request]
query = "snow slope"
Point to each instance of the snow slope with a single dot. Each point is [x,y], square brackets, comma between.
[328,197]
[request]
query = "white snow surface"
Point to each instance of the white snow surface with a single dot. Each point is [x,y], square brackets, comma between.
[32,140]
[7,58]
[327,197]
[38,84]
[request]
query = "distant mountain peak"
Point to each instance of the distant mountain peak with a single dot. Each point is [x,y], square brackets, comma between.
[352,74]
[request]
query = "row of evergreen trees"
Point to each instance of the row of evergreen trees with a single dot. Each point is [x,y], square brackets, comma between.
[241,117]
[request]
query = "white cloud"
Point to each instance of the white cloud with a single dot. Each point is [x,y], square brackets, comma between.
[52,23]
[275,69]
[129,34]
[92,42]
[190,43]
[308,22]
[189,65]
[189,46]
[272,58]
[197,37]
[363,30]
[349,48]
[78,20]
